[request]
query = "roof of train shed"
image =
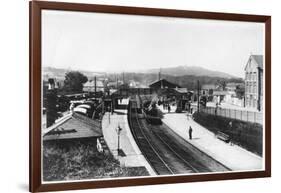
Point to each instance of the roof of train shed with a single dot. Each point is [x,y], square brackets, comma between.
[163,83]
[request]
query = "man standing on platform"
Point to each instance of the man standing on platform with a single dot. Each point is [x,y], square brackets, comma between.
[190,132]
[169,108]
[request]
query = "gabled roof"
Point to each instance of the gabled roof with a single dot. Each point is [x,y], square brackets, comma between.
[181,90]
[209,86]
[233,84]
[91,83]
[75,126]
[164,83]
[258,60]
[221,93]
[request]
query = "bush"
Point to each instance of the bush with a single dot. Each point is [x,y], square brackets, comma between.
[79,159]
[246,134]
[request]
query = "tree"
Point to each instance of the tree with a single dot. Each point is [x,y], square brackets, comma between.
[222,84]
[74,81]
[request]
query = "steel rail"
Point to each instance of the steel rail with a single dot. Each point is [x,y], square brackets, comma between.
[146,154]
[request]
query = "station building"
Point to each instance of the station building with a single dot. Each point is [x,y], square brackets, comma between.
[163,83]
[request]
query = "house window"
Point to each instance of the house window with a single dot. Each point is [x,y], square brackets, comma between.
[255,76]
[251,101]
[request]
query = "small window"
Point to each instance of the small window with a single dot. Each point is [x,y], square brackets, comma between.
[255,76]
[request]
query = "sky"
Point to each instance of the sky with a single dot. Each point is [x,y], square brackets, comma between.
[120,43]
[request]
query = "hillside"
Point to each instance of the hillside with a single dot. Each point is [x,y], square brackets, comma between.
[190,70]
[182,75]
[186,81]
[59,73]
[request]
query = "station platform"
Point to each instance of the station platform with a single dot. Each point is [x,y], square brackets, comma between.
[129,154]
[232,156]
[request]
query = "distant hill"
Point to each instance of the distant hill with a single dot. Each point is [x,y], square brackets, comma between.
[59,73]
[182,75]
[186,81]
[190,70]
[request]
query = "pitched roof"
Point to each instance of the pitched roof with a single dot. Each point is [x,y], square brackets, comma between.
[75,126]
[259,60]
[181,90]
[208,86]
[222,92]
[91,83]
[233,84]
[164,83]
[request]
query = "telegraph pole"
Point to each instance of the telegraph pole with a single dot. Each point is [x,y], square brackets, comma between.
[159,77]
[117,82]
[198,95]
[95,87]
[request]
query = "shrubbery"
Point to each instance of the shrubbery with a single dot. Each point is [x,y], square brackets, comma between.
[75,160]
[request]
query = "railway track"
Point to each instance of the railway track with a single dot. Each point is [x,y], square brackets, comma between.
[163,153]
[183,153]
[149,151]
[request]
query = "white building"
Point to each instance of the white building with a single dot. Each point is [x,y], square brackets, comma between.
[254,82]
[89,86]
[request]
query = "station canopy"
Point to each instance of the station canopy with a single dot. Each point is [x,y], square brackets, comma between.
[74,127]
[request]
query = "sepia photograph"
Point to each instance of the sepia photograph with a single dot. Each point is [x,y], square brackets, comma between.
[135,96]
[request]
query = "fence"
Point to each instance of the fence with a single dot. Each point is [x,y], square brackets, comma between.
[248,116]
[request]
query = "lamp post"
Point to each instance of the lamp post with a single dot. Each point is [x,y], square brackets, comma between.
[108,114]
[109,117]
[118,130]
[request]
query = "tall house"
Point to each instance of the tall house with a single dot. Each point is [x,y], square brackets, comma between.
[254,82]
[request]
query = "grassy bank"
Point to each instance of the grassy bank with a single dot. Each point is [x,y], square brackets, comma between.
[76,160]
[248,135]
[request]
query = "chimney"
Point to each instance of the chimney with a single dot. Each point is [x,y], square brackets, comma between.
[51,104]
[51,84]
